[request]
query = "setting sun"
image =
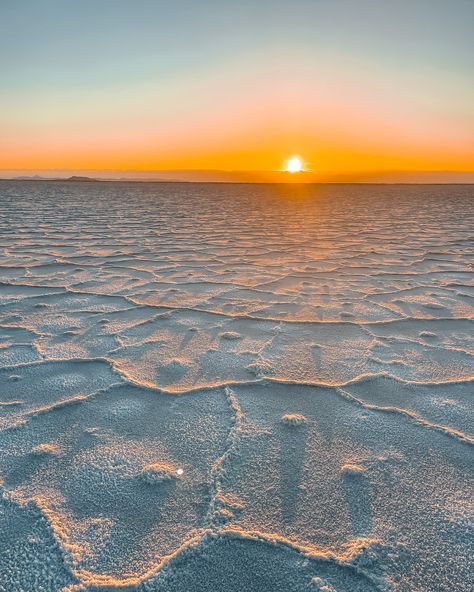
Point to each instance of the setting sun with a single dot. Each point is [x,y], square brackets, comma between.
[294,165]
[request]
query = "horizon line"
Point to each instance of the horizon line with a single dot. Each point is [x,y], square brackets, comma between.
[304,177]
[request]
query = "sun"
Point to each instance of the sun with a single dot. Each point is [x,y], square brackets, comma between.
[294,165]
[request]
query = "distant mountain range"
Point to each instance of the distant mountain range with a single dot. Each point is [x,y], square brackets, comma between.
[40,178]
[217,176]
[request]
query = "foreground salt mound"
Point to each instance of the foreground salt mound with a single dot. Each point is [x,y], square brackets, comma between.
[293,419]
[198,403]
[159,472]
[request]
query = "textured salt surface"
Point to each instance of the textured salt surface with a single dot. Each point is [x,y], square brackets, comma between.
[208,387]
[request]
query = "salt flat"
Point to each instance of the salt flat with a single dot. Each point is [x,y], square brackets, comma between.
[236,387]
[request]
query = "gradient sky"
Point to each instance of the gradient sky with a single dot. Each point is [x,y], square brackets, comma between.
[349,85]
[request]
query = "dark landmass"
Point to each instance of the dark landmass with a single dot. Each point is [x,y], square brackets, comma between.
[80,179]
[77,178]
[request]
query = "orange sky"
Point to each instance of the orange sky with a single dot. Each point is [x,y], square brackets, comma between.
[342,106]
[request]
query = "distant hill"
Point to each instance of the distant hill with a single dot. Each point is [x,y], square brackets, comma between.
[78,178]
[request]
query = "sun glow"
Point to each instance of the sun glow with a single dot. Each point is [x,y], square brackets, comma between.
[294,165]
